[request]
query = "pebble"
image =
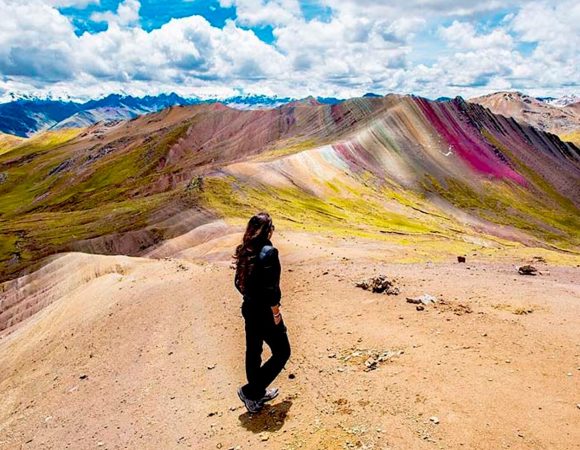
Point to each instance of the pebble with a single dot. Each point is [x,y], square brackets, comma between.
[434,419]
[264,437]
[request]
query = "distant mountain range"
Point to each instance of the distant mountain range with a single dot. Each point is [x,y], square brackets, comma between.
[25,116]
[566,100]
[558,116]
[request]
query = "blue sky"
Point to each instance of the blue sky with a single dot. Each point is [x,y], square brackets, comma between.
[153,13]
[89,48]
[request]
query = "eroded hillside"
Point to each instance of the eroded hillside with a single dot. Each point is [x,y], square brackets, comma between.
[443,172]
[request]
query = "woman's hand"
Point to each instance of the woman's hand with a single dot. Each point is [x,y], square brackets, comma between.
[277,314]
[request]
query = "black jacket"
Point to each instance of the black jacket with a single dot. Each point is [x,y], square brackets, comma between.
[263,282]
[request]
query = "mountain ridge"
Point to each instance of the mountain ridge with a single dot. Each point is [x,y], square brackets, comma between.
[27,115]
[561,116]
[452,172]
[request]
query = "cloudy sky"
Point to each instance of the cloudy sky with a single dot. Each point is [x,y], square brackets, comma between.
[343,48]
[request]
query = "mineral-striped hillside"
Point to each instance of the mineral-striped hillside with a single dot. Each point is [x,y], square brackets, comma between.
[439,172]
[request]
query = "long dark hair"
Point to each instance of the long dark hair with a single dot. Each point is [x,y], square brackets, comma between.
[255,237]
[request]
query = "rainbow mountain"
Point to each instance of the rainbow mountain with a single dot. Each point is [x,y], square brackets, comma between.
[439,178]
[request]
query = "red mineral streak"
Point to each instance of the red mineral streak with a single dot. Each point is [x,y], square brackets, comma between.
[357,157]
[479,155]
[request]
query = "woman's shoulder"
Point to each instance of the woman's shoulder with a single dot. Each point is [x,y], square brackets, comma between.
[268,252]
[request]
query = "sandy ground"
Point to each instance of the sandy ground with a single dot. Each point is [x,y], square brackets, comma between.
[149,356]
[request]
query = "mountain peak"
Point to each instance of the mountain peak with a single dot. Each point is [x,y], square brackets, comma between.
[565,100]
[554,115]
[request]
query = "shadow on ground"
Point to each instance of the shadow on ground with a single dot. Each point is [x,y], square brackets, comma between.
[270,418]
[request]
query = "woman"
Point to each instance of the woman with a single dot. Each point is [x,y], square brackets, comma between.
[258,280]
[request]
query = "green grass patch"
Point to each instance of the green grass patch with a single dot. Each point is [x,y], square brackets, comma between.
[509,204]
[355,212]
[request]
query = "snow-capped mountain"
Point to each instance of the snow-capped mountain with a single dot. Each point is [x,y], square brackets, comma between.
[541,113]
[561,102]
[25,115]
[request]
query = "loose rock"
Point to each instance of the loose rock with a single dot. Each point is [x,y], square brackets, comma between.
[379,285]
[527,270]
[425,299]
[371,364]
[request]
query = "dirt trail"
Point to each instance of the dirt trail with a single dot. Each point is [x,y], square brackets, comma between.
[152,357]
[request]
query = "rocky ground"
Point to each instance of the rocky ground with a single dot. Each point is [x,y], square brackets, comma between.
[149,353]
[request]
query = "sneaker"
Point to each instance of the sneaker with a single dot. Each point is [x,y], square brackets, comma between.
[271,394]
[253,406]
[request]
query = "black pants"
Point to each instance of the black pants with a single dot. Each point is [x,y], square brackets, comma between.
[260,328]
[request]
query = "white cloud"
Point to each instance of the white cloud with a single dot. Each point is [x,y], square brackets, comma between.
[127,14]
[36,42]
[181,50]
[478,59]
[73,3]
[187,52]
[419,8]
[365,45]
[345,52]
[554,29]
[264,12]
[402,29]
[463,35]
